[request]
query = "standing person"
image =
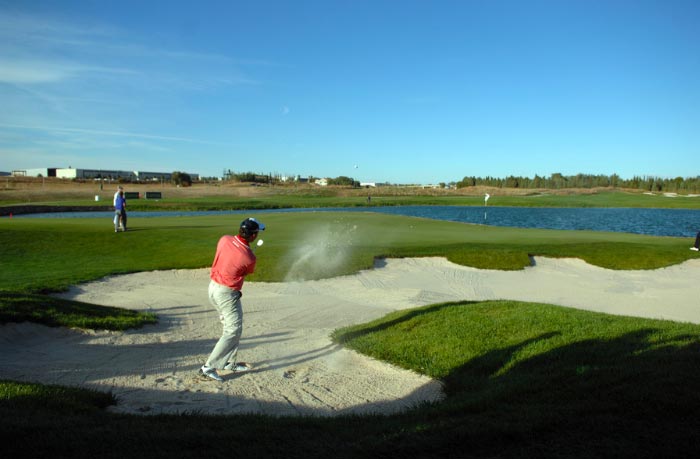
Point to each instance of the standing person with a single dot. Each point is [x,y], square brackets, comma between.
[233,261]
[696,247]
[119,209]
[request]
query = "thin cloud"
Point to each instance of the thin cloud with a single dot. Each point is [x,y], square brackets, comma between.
[18,28]
[19,71]
[27,72]
[108,133]
[26,41]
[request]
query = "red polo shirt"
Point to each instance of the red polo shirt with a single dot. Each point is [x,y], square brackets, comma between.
[232,262]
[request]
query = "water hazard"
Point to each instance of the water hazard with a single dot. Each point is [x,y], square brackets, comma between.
[657,222]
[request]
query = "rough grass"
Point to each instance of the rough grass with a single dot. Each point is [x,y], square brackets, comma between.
[230,195]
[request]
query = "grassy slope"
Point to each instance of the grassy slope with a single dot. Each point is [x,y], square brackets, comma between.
[528,376]
[56,312]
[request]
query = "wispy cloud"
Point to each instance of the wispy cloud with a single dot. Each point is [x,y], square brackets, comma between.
[74,88]
[39,50]
[21,71]
[107,133]
[28,72]
[20,29]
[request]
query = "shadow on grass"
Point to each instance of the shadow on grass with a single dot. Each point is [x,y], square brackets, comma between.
[631,396]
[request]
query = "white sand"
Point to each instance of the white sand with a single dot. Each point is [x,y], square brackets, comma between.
[286,333]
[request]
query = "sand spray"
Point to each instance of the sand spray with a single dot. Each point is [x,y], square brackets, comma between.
[322,252]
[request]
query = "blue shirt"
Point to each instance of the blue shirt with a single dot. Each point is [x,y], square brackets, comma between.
[119,202]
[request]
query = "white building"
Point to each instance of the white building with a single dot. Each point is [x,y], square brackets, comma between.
[71,173]
[154,176]
[37,172]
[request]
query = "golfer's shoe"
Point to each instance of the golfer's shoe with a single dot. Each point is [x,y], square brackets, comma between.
[239,367]
[695,248]
[210,373]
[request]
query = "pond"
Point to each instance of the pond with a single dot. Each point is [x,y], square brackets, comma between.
[657,222]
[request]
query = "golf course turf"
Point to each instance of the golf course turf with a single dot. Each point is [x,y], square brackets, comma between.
[522,379]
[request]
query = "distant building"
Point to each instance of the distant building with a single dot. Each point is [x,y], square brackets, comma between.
[321,182]
[5,174]
[154,176]
[368,184]
[71,174]
[40,172]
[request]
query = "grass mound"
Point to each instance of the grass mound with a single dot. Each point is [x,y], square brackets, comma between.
[525,377]
[56,312]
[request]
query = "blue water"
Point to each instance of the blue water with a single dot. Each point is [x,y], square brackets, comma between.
[657,222]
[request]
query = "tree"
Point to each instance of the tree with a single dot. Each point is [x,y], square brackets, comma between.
[181,178]
[342,180]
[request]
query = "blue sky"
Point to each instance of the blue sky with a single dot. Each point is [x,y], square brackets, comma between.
[388,91]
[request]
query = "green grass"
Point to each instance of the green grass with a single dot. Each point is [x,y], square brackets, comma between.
[42,255]
[496,337]
[41,398]
[521,379]
[280,198]
[528,376]
[56,312]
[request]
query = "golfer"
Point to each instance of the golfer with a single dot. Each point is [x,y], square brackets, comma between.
[119,210]
[233,261]
[696,247]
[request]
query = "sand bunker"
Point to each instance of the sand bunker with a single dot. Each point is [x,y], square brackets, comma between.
[299,371]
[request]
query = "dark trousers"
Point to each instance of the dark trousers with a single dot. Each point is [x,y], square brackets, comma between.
[697,241]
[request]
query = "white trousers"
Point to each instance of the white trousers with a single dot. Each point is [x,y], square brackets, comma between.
[228,303]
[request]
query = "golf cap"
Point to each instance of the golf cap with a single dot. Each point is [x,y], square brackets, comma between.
[251,225]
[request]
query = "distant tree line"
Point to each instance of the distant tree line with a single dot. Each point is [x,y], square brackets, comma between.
[344,181]
[251,177]
[558,181]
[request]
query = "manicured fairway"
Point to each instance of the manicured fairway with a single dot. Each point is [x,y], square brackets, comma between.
[50,254]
